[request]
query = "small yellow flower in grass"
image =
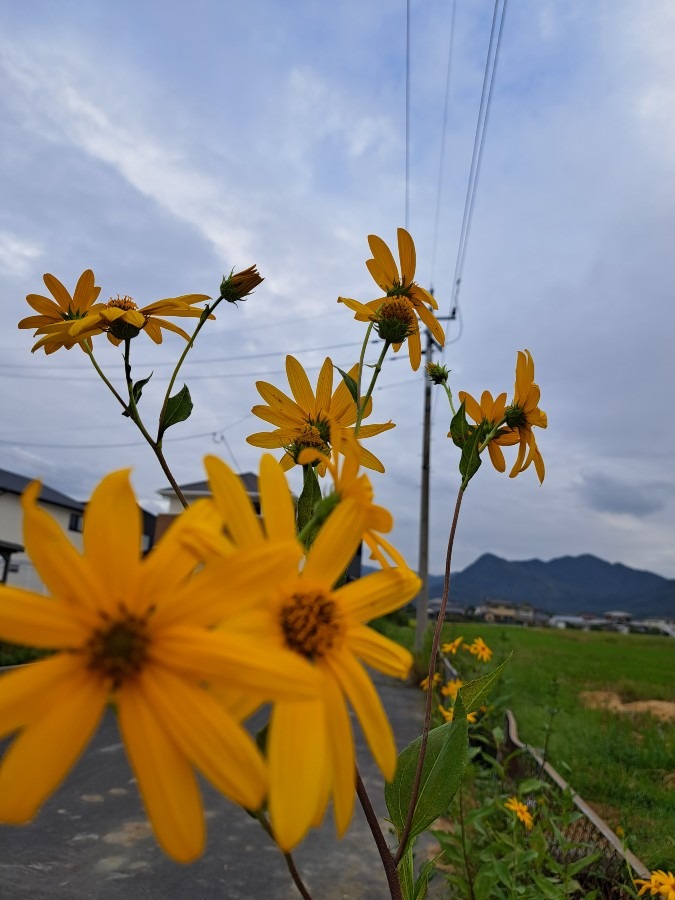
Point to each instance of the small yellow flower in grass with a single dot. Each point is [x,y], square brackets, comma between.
[424,683]
[121,318]
[309,420]
[61,312]
[521,811]
[307,619]
[523,414]
[449,714]
[660,884]
[492,412]
[404,300]
[452,646]
[137,632]
[479,649]
[343,465]
[451,688]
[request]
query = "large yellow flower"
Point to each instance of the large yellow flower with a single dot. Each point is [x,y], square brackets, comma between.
[523,414]
[308,421]
[660,884]
[521,811]
[137,632]
[310,744]
[490,411]
[121,318]
[61,311]
[398,287]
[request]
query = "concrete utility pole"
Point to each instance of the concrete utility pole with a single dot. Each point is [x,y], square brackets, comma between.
[423,561]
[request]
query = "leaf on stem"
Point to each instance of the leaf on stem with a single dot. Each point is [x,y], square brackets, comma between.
[352,387]
[137,391]
[475,693]
[442,773]
[178,409]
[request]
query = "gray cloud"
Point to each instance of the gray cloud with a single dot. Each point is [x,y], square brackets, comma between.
[606,493]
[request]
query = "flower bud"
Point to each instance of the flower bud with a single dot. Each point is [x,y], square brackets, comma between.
[237,286]
[394,320]
[437,373]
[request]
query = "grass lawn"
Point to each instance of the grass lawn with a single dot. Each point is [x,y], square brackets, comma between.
[624,765]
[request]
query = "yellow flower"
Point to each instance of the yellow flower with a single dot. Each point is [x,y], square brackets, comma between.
[121,318]
[424,683]
[449,714]
[490,411]
[306,618]
[343,465]
[451,688]
[398,287]
[521,811]
[523,414]
[60,312]
[659,884]
[480,650]
[308,421]
[136,632]
[453,646]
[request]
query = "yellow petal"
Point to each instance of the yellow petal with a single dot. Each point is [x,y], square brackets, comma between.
[233,503]
[112,536]
[37,621]
[406,252]
[496,456]
[268,440]
[363,312]
[378,594]
[276,399]
[165,778]
[50,744]
[366,431]
[471,406]
[85,291]
[379,652]
[58,292]
[324,388]
[342,754]
[368,708]
[297,751]
[243,660]
[384,260]
[208,736]
[23,691]
[277,507]
[300,386]
[223,587]
[342,404]
[369,460]
[44,306]
[415,347]
[274,417]
[66,574]
[335,545]
[431,322]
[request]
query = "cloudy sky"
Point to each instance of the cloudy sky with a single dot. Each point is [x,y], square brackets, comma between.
[162,144]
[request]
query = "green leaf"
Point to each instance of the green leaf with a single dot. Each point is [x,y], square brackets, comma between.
[574,868]
[178,409]
[422,883]
[406,874]
[137,390]
[470,461]
[530,785]
[460,430]
[442,773]
[352,386]
[475,693]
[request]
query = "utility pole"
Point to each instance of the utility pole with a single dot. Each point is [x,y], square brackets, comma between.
[423,560]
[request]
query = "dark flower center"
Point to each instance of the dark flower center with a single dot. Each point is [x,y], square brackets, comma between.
[118,649]
[310,623]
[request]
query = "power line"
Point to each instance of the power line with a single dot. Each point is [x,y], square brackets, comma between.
[407,114]
[477,154]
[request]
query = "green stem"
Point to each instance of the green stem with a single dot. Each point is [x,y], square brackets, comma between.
[206,312]
[452,405]
[362,404]
[290,862]
[430,686]
[467,864]
[90,353]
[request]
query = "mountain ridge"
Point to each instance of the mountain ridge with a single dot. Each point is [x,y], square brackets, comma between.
[564,585]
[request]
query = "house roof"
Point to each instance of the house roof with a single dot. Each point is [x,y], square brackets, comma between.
[202,488]
[12,483]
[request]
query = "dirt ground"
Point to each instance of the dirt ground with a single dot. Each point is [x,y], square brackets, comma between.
[661,709]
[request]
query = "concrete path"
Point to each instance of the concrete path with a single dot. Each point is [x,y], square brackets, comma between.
[91,841]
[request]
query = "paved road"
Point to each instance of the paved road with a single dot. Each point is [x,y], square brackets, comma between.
[91,840]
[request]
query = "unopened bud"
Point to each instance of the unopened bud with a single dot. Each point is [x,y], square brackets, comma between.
[437,373]
[238,285]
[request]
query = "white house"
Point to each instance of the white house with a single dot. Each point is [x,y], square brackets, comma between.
[16,567]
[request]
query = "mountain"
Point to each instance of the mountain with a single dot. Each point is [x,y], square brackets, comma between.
[568,585]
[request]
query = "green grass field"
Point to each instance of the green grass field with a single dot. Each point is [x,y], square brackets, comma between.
[623,765]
